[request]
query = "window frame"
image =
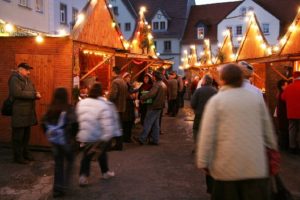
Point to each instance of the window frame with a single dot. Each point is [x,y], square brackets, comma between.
[155,26]
[127,26]
[168,46]
[236,30]
[198,30]
[25,5]
[74,17]
[65,13]
[268,28]
[42,6]
[115,10]
[160,24]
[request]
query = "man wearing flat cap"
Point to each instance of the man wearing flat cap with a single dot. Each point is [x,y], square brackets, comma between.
[248,72]
[23,94]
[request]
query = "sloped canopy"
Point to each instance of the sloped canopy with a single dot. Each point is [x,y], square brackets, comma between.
[226,53]
[290,43]
[96,25]
[254,44]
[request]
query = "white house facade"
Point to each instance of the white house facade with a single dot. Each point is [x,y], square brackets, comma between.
[48,16]
[236,22]
[126,17]
[26,13]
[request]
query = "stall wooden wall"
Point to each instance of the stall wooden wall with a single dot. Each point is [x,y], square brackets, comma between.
[52,63]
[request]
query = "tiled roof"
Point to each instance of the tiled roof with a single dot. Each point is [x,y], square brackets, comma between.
[284,10]
[210,15]
[175,9]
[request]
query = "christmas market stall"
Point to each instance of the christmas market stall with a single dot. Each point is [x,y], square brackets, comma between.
[85,56]
[140,56]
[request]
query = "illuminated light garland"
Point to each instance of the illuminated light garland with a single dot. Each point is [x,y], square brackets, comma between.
[39,39]
[9,28]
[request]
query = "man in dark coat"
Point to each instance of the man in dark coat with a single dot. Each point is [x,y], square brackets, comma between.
[199,100]
[118,95]
[23,94]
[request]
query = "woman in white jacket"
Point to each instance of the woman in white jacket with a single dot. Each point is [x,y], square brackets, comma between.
[98,123]
[236,129]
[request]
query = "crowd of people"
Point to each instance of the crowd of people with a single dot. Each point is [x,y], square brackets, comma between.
[232,126]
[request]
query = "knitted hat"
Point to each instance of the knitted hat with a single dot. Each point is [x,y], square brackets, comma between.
[247,69]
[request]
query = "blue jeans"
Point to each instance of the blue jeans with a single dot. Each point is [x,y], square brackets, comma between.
[151,122]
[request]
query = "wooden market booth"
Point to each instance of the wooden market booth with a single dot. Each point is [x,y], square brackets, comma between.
[62,61]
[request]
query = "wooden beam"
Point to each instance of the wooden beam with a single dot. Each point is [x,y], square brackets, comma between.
[94,68]
[127,64]
[278,72]
[147,66]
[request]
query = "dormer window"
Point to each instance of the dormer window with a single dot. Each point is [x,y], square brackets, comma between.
[160,21]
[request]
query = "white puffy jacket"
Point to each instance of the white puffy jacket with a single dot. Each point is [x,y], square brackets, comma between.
[98,120]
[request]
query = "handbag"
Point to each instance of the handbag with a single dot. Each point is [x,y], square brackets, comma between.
[279,190]
[7,107]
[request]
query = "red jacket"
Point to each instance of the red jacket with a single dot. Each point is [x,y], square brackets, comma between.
[291,95]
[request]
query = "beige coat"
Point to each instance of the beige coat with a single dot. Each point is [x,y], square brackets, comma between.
[235,130]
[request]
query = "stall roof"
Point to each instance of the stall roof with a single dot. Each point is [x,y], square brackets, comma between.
[291,40]
[96,25]
[226,53]
[253,44]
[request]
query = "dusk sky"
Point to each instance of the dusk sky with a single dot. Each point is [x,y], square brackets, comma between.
[211,1]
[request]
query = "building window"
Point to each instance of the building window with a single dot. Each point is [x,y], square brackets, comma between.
[39,5]
[127,26]
[74,14]
[266,29]
[162,25]
[200,33]
[63,14]
[7,0]
[116,10]
[155,25]
[167,46]
[243,11]
[239,30]
[119,24]
[250,8]
[155,44]
[24,3]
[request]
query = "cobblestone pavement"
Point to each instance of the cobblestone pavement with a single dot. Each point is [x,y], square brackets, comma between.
[164,172]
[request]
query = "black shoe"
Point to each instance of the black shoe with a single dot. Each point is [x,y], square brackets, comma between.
[138,140]
[57,194]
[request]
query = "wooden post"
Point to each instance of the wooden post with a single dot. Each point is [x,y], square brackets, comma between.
[147,66]
[94,68]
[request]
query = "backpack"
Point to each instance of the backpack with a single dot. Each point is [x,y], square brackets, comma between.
[56,133]
[7,107]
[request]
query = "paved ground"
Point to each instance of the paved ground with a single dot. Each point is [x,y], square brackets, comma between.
[164,172]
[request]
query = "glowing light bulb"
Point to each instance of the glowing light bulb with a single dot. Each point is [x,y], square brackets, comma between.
[62,32]
[80,18]
[39,39]
[113,24]
[9,28]
[283,40]
[275,48]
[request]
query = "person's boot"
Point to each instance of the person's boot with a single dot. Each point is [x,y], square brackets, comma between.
[18,153]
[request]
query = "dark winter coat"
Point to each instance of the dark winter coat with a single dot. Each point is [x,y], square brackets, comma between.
[118,94]
[23,93]
[198,102]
